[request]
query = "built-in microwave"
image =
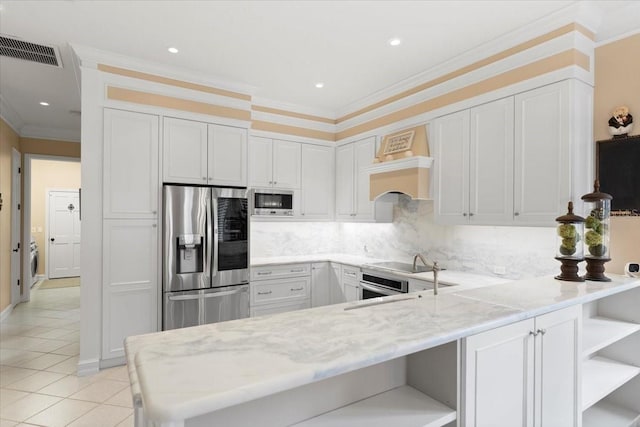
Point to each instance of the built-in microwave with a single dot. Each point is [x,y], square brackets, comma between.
[272,202]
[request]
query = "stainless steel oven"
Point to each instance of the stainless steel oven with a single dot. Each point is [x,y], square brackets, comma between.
[379,284]
[272,202]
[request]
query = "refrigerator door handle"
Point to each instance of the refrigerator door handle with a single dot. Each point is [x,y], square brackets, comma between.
[214,210]
[210,240]
[203,296]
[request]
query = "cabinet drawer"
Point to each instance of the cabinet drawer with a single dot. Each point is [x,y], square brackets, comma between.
[350,274]
[280,290]
[278,271]
[263,310]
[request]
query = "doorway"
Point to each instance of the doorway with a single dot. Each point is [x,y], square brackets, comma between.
[42,174]
[63,234]
[16,205]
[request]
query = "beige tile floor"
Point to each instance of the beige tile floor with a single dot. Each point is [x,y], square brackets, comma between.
[39,347]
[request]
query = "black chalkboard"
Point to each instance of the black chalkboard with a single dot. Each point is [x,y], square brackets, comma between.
[618,168]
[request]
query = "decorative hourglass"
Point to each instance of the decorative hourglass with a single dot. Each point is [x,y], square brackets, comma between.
[596,238]
[569,245]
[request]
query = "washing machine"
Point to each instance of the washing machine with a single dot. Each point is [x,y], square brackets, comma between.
[35,258]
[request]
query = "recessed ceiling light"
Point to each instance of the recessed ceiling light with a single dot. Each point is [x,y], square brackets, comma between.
[46,104]
[173,50]
[395,42]
[319,85]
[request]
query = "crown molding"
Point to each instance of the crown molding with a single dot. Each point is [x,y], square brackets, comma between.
[584,14]
[618,37]
[90,57]
[54,134]
[287,106]
[10,116]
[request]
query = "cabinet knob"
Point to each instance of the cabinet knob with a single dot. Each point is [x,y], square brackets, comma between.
[154,225]
[154,212]
[516,213]
[541,331]
[533,333]
[204,178]
[464,214]
[470,213]
[275,182]
[210,178]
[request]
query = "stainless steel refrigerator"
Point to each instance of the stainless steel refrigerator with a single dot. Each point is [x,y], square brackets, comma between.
[205,255]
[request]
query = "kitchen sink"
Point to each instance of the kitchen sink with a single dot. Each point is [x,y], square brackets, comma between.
[399,266]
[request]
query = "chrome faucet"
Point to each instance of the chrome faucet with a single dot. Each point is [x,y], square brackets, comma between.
[433,268]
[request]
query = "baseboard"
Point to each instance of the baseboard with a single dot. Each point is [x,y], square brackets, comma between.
[6,312]
[88,367]
[110,363]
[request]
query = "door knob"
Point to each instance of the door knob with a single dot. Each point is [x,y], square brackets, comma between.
[53,239]
[15,250]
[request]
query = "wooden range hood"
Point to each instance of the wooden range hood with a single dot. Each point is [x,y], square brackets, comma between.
[402,165]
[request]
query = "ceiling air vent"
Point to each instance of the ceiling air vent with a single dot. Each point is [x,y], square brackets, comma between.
[19,49]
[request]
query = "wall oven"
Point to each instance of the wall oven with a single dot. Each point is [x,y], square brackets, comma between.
[375,284]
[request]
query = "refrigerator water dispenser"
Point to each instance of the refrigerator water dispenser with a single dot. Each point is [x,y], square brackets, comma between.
[190,254]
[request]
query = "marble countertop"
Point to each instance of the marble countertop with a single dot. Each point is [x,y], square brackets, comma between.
[187,372]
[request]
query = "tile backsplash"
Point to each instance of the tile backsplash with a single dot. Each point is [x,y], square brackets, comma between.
[521,251]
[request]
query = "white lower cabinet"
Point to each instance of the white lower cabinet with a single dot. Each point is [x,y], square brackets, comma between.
[130,282]
[611,361]
[279,288]
[523,374]
[351,283]
[320,284]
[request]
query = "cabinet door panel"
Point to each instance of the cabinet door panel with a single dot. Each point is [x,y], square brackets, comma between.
[227,163]
[130,282]
[557,364]
[491,163]
[498,377]
[451,134]
[542,160]
[184,151]
[320,284]
[365,151]
[130,174]
[318,182]
[345,181]
[286,164]
[260,167]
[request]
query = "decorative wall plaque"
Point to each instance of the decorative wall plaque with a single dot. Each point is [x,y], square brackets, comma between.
[399,143]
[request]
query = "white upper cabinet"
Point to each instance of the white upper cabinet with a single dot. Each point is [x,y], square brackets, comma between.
[345,181]
[318,182]
[227,156]
[517,160]
[201,153]
[130,165]
[491,162]
[352,183]
[542,154]
[274,163]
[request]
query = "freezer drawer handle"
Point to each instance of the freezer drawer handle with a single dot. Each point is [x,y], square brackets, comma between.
[297,289]
[264,273]
[265,293]
[299,270]
[202,296]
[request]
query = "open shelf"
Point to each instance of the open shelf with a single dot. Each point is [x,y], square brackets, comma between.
[601,376]
[608,414]
[399,407]
[599,332]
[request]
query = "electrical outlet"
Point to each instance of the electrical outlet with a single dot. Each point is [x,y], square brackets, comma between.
[499,269]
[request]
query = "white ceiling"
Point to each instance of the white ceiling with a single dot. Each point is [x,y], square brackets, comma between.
[280,48]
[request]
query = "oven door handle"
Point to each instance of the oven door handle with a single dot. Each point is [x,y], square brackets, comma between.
[378,290]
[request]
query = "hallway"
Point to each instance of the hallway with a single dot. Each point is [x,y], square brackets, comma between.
[39,348]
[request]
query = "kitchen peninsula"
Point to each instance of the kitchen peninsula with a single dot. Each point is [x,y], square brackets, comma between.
[404,361]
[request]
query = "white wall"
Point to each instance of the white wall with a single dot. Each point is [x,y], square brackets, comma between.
[523,251]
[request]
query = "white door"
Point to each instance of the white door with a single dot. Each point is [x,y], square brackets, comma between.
[184,151]
[318,178]
[64,234]
[260,159]
[286,164]
[451,134]
[345,182]
[227,156]
[491,163]
[364,152]
[16,250]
